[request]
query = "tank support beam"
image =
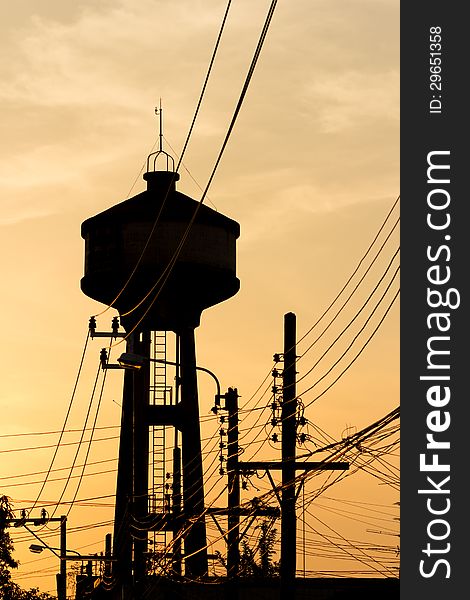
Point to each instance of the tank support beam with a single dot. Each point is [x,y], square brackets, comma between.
[122,542]
[195,544]
[141,455]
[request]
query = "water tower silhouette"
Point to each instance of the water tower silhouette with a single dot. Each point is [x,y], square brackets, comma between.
[141,237]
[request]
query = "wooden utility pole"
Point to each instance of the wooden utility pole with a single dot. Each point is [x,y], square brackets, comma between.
[122,540]
[141,455]
[61,577]
[289,433]
[288,465]
[177,523]
[63,554]
[233,534]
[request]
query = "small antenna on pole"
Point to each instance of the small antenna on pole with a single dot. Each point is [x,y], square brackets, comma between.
[159,113]
[153,156]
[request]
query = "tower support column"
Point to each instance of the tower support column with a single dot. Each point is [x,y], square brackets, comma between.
[141,455]
[195,539]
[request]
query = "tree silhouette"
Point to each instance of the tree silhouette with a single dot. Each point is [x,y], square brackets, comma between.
[264,566]
[9,590]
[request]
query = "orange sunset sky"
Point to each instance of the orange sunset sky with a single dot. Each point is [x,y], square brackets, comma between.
[310,173]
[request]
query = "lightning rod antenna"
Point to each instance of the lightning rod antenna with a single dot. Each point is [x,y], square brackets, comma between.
[159,113]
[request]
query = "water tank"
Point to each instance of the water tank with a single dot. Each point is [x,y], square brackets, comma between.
[203,275]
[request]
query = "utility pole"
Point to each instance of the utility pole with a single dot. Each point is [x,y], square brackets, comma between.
[122,541]
[119,548]
[61,577]
[289,433]
[288,465]
[233,534]
[108,552]
[234,510]
[63,565]
[141,455]
[177,523]
[177,505]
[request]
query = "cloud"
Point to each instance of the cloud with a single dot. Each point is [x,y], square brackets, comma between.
[345,100]
[84,89]
[78,92]
[23,214]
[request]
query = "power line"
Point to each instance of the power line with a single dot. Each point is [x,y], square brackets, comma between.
[166,273]
[31,474]
[89,443]
[188,136]
[358,266]
[350,296]
[81,437]
[65,420]
[353,360]
[38,433]
[339,294]
[356,316]
[9,450]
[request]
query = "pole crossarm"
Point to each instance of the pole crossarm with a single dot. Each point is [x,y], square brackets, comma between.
[274,487]
[298,465]
[39,521]
[80,557]
[245,511]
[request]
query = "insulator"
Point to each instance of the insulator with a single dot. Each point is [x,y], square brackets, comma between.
[115,325]
[222,432]
[275,373]
[302,438]
[221,471]
[222,419]
[222,445]
[244,485]
[274,422]
[92,325]
[221,458]
[302,421]
[274,389]
[274,437]
[103,357]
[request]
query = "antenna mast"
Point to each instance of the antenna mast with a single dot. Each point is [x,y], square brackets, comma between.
[159,113]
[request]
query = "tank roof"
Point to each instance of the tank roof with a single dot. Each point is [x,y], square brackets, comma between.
[146,205]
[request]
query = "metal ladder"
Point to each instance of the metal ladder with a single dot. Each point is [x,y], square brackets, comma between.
[160,394]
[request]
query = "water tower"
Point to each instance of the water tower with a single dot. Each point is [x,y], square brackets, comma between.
[136,261]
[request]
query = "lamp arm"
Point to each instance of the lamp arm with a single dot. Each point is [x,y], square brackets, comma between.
[169,362]
[42,542]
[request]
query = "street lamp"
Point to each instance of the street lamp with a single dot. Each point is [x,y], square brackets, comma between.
[37,549]
[131,361]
